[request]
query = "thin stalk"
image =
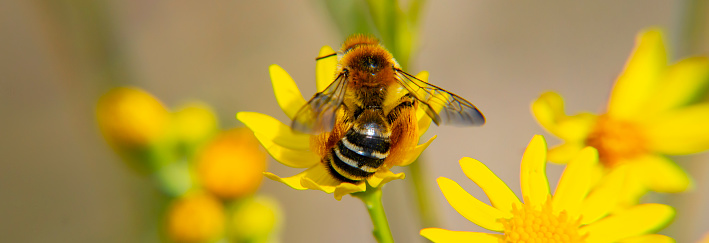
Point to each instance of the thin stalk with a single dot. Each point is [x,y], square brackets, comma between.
[372,199]
[425,206]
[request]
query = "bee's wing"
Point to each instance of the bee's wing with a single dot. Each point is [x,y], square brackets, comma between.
[442,106]
[318,115]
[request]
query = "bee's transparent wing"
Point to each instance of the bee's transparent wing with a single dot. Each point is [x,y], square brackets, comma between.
[319,114]
[442,106]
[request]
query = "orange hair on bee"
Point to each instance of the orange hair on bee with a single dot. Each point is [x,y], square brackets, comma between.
[359,39]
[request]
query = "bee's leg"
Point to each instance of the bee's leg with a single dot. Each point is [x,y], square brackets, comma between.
[404,126]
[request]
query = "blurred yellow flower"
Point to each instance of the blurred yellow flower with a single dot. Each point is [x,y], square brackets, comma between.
[294,149]
[256,220]
[232,164]
[652,112]
[705,239]
[193,124]
[573,214]
[196,217]
[129,117]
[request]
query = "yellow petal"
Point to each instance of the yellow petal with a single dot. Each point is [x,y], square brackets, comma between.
[563,153]
[548,109]
[496,190]
[632,189]
[287,93]
[320,179]
[705,239]
[294,156]
[649,239]
[575,183]
[576,127]
[274,130]
[604,197]
[383,176]
[635,221]
[412,155]
[686,81]
[682,131]
[293,181]
[444,236]
[533,177]
[424,122]
[660,174]
[640,77]
[470,207]
[325,68]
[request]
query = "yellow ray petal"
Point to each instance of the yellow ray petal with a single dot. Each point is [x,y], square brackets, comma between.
[470,207]
[576,127]
[319,178]
[293,181]
[383,176]
[412,155]
[682,131]
[686,81]
[325,68]
[496,190]
[635,221]
[274,130]
[533,177]
[575,183]
[563,153]
[604,197]
[288,156]
[661,174]
[640,77]
[548,109]
[424,122]
[287,93]
[444,236]
[648,239]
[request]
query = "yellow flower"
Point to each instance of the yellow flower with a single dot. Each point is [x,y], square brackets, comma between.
[256,220]
[294,149]
[573,214]
[197,217]
[705,239]
[130,117]
[651,113]
[194,123]
[232,164]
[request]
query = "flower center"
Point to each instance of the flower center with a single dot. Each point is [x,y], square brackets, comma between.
[616,140]
[532,225]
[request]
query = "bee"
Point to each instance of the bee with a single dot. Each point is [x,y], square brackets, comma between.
[366,118]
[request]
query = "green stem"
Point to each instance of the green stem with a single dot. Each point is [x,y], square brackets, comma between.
[426,208]
[372,199]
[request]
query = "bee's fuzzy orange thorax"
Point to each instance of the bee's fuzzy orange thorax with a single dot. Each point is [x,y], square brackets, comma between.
[359,39]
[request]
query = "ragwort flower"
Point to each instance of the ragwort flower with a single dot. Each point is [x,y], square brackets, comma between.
[651,113]
[573,214]
[295,149]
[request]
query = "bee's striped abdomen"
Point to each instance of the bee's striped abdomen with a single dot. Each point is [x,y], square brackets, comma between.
[359,153]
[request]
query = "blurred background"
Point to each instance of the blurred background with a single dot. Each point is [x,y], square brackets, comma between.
[60,182]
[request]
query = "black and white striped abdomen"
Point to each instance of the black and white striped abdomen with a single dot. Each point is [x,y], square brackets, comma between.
[360,153]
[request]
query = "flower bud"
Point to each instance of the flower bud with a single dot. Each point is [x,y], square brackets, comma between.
[197,217]
[130,117]
[255,220]
[232,164]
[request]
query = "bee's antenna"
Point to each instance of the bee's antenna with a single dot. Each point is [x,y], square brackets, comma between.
[326,56]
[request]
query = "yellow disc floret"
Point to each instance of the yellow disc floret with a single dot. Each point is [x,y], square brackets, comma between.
[616,140]
[533,225]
